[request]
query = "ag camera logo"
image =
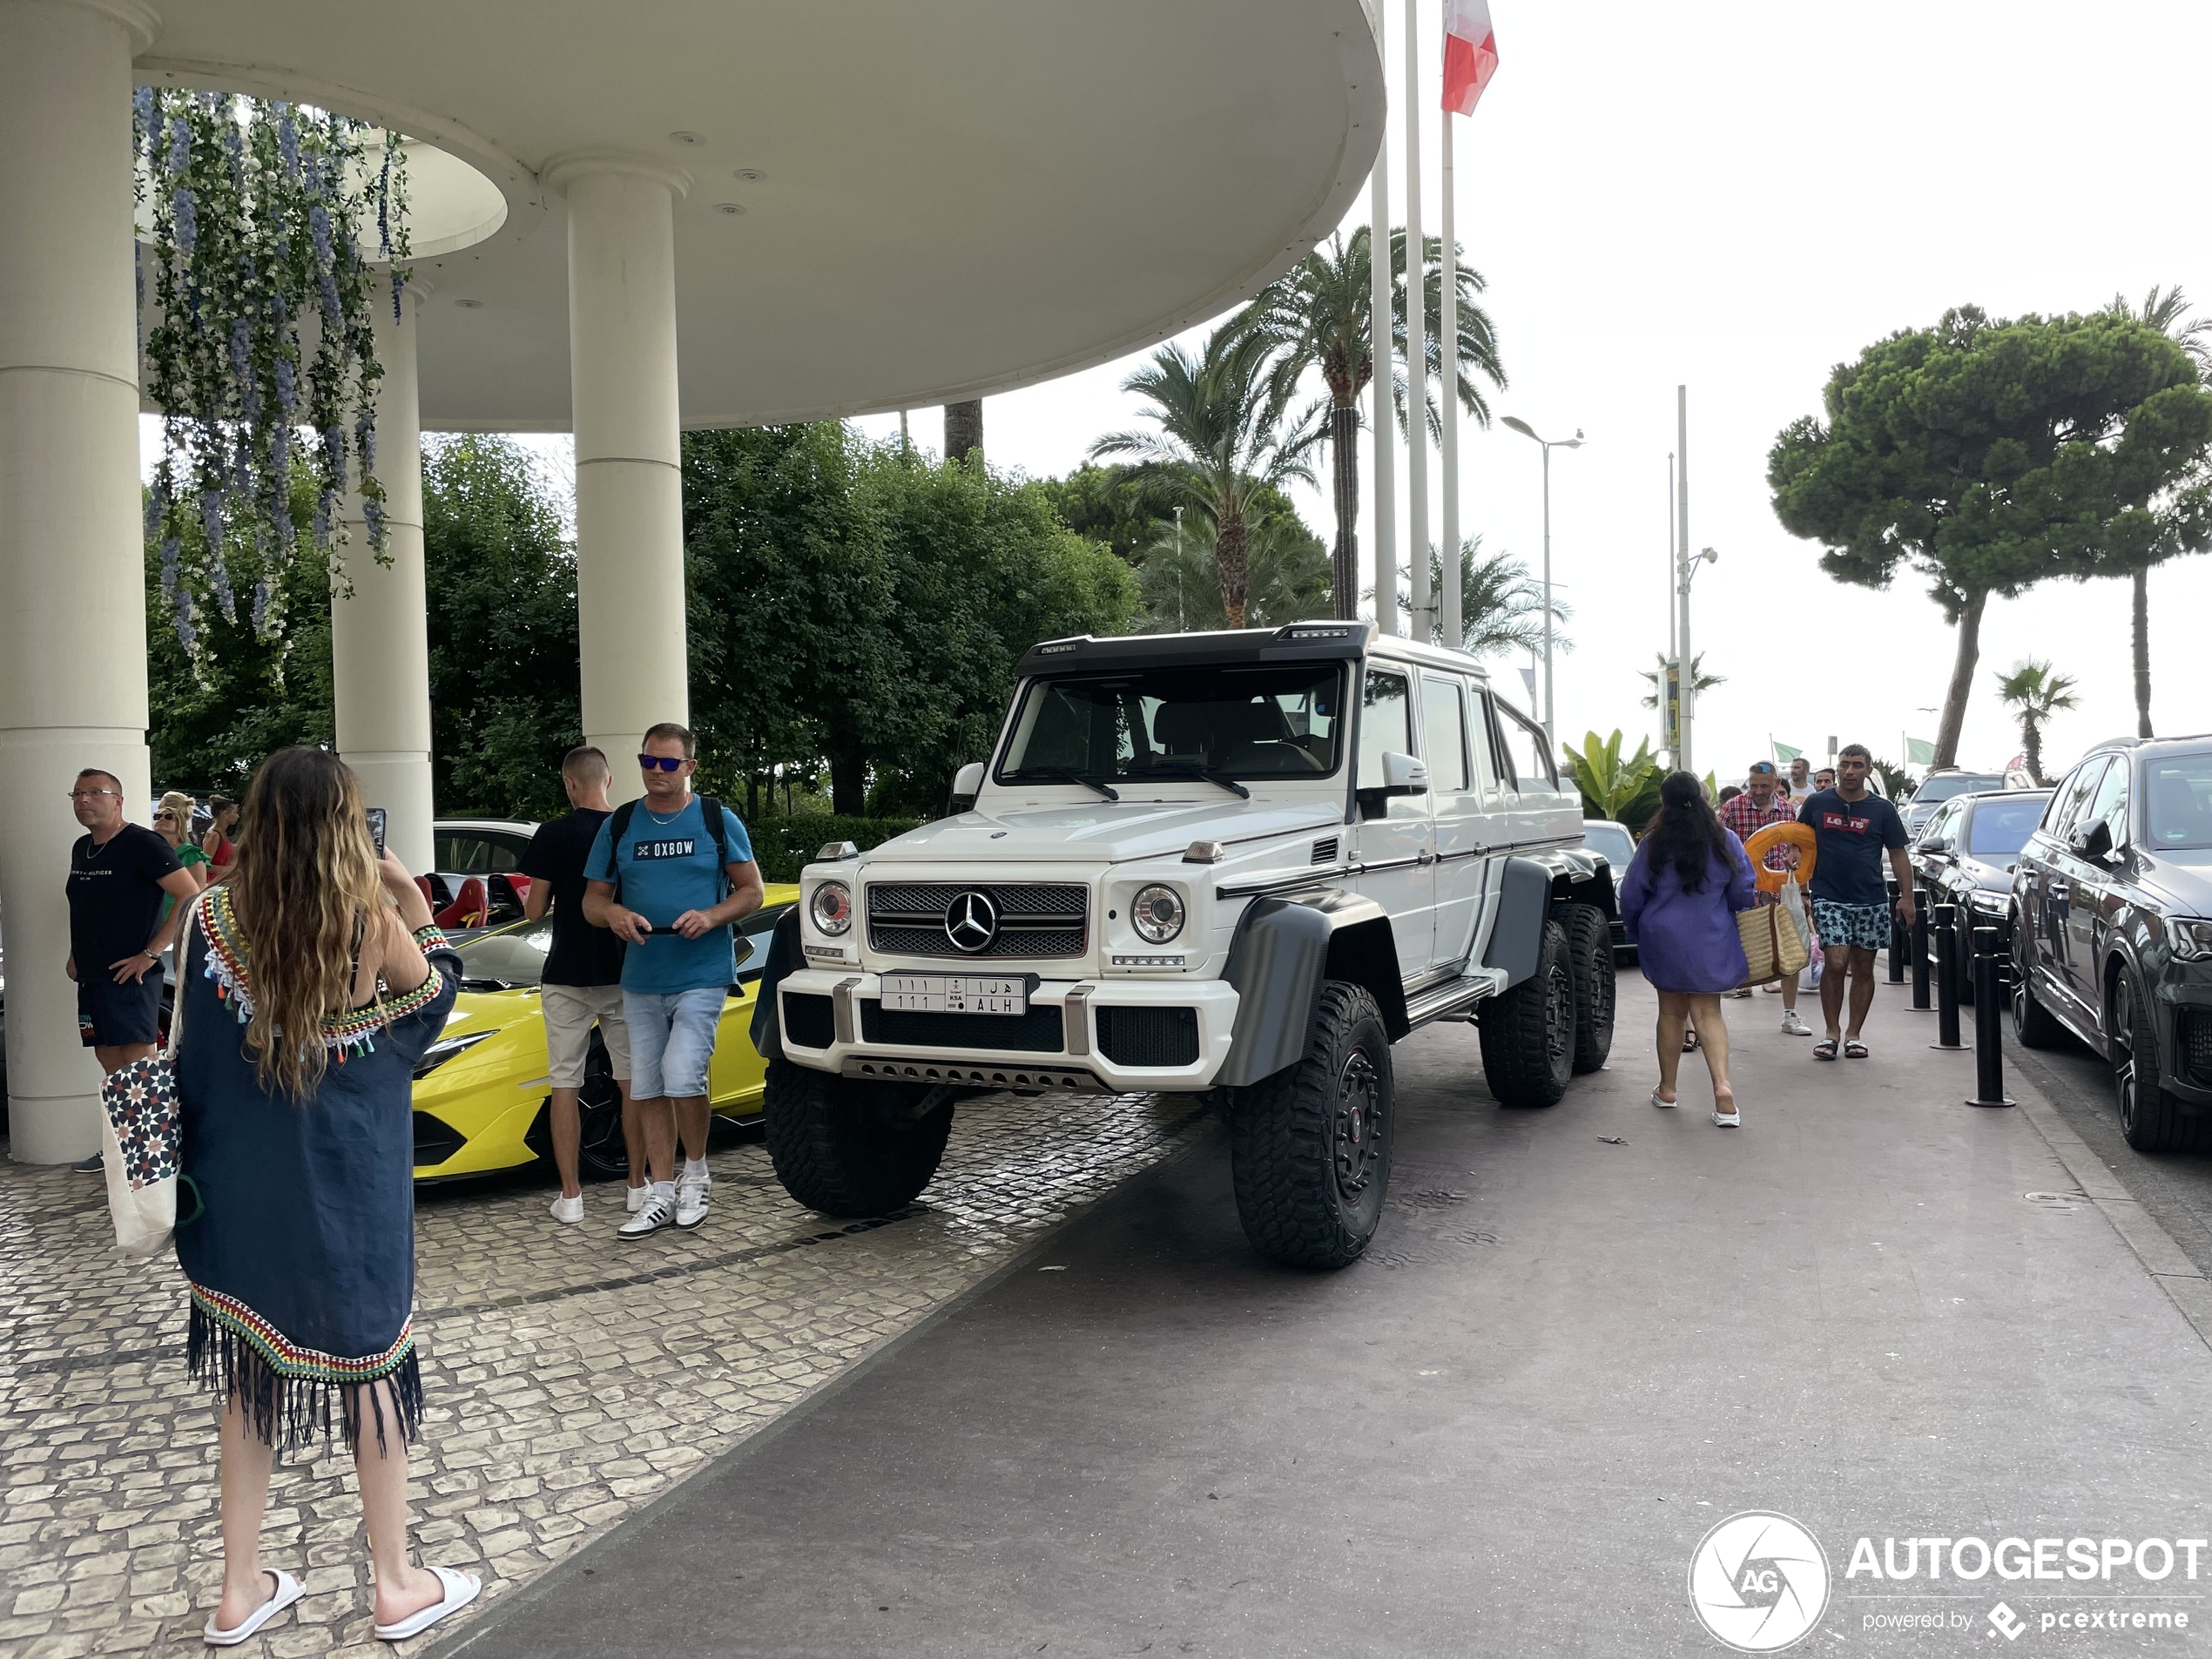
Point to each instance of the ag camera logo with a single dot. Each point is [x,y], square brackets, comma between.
[1758,1582]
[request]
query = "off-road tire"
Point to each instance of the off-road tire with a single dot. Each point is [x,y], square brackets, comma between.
[1590,959]
[1309,1148]
[2034,1025]
[2150,1118]
[1528,1033]
[844,1147]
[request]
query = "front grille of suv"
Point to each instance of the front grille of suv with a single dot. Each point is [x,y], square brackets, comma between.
[1035,919]
[2194,1039]
[1149,1036]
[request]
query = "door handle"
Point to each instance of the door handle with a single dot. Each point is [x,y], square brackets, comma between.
[1424,857]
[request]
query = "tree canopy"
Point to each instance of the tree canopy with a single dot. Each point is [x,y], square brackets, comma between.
[1990,454]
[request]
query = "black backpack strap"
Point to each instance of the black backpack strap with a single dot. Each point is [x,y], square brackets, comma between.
[711,809]
[618,827]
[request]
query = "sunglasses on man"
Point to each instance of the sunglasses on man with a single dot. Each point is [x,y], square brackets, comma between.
[667,763]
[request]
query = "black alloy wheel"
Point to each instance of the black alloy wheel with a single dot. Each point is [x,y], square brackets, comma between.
[2150,1118]
[1355,1130]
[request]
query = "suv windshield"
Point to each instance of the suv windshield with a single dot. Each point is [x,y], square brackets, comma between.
[2001,828]
[1944,785]
[1178,723]
[2177,801]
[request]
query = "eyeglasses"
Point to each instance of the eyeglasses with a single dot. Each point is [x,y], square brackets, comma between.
[667,763]
[89,794]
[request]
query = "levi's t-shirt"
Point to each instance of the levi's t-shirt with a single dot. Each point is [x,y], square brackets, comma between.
[663,868]
[1852,835]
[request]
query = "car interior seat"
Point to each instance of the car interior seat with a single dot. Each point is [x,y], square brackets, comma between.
[470,908]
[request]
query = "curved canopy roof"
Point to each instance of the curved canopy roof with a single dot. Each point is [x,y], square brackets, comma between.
[892,203]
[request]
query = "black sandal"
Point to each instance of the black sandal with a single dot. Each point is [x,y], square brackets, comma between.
[1824,1049]
[1854,1049]
[1689,1042]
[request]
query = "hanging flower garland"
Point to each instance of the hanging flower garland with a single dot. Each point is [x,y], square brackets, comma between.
[263,361]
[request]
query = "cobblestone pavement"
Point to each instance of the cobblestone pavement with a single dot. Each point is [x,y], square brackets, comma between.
[570,1378]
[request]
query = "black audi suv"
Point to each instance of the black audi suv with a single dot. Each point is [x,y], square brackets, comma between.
[2112,931]
[1966,857]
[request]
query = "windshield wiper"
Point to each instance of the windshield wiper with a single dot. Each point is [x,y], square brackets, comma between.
[1203,774]
[1062,774]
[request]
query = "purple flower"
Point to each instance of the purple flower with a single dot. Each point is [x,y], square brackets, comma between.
[322,518]
[373,515]
[364,440]
[241,349]
[399,287]
[186,208]
[226,601]
[288,140]
[179,143]
[186,633]
[287,392]
[170,550]
[211,521]
[261,606]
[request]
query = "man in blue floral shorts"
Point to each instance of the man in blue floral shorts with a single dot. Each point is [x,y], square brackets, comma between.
[1851,908]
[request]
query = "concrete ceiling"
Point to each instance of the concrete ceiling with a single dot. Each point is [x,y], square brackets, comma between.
[953,198]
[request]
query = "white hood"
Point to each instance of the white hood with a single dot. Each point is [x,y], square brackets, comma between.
[1103,831]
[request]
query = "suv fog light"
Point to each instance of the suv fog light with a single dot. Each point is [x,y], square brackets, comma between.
[832,908]
[1157,914]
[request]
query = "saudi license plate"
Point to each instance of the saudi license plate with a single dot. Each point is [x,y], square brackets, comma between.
[956,993]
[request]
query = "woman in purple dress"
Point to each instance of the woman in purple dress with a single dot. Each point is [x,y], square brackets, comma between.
[1688,878]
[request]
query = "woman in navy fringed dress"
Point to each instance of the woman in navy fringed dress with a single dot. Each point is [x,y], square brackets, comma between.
[302,1261]
[1678,902]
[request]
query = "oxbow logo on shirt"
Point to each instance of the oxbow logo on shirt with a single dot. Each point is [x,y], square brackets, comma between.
[642,851]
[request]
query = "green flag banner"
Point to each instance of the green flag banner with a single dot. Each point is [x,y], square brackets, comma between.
[1919,751]
[1783,754]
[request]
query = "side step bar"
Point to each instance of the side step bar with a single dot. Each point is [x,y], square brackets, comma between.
[1455,998]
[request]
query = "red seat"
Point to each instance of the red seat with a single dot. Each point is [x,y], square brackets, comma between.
[471,909]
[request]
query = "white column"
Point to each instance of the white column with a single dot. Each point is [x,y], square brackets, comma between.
[379,648]
[1450,330]
[629,479]
[1379,346]
[72,573]
[1416,341]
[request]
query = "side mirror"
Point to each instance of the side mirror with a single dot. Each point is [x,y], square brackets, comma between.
[1936,844]
[2093,843]
[1403,774]
[968,781]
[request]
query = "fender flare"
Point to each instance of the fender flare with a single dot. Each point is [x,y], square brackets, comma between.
[783,957]
[1283,952]
[1524,906]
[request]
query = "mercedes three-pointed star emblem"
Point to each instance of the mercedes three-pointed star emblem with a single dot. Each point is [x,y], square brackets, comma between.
[971,922]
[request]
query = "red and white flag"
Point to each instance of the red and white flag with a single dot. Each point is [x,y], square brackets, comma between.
[1470,54]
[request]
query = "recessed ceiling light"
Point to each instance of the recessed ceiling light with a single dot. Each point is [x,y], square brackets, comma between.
[750,175]
[470,305]
[683,138]
[731,208]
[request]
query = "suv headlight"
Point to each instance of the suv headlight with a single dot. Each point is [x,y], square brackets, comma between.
[2192,938]
[832,908]
[1157,912]
[1989,904]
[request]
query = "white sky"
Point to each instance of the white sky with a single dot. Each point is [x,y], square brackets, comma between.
[1737,197]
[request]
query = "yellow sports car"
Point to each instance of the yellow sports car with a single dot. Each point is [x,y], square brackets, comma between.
[483,1089]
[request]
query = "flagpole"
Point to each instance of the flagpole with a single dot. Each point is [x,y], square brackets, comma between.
[1379,354]
[1416,341]
[1450,334]
[1686,671]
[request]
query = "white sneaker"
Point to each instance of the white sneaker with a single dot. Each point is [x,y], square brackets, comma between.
[569,1210]
[1793,1026]
[634,1197]
[654,1214]
[691,1200]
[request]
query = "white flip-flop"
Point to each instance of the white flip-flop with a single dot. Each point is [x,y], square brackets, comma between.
[1663,1105]
[460,1589]
[287,1592]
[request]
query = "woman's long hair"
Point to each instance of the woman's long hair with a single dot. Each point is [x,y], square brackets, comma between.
[304,890]
[1687,833]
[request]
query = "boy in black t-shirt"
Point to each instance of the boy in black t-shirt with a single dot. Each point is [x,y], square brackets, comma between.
[583,982]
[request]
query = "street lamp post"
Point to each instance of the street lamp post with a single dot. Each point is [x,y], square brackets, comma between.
[1548,445]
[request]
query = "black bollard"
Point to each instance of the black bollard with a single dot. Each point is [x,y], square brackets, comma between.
[1917,942]
[1900,942]
[1946,944]
[1989,1061]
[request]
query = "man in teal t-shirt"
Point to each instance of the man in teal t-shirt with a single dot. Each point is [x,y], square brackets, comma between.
[666,882]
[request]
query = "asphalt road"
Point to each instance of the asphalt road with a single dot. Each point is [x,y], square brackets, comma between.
[1506,1430]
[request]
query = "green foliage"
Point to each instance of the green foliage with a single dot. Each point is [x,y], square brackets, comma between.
[1288,577]
[1701,681]
[1126,508]
[786,846]
[855,603]
[1897,782]
[1624,791]
[2034,691]
[504,697]
[1501,606]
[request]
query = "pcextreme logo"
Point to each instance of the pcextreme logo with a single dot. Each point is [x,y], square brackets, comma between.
[1758,1582]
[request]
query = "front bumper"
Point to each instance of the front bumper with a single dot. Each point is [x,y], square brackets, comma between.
[1064,1013]
[2183,1006]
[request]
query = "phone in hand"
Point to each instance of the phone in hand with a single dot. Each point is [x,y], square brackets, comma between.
[376,829]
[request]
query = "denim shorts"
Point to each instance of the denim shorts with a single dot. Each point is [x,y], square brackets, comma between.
[671,1040]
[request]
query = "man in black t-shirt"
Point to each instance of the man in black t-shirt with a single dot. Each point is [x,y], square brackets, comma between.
[117,874]
[1853,829]
[583,982]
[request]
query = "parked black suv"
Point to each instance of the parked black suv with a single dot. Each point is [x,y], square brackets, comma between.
[1966,857]
[2112,931]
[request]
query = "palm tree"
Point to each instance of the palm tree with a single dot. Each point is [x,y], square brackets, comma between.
[1316,318]
[1501,606]
[1223,430]
[1700,681]
[2034,691]
[2167,311]
[1287,574]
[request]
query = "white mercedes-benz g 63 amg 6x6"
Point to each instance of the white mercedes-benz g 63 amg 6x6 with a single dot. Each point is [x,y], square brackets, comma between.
[1236,863]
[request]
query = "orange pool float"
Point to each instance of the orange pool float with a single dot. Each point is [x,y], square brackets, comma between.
[1764,841]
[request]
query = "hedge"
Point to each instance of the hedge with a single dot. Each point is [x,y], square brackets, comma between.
[786,846]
